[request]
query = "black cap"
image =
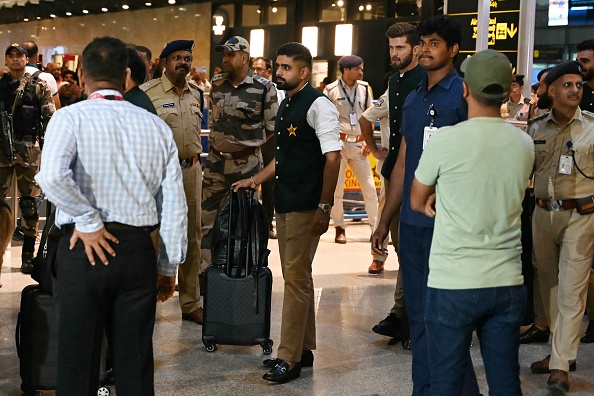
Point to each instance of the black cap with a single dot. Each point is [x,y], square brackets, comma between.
[177,45]
[543,71]
[518,78]
[569,67]
[350,61]
[17,47]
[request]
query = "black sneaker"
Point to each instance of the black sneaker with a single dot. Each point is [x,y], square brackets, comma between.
[27,263]
[389,327]
[588,337]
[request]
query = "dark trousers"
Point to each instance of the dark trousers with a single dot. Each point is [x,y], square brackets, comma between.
[452,316]
[125,293]
[415,244]
[268,150]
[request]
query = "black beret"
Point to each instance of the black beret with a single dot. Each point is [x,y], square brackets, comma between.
[350,61]
[518,78]
[569,67]
[177,45]
[543,71]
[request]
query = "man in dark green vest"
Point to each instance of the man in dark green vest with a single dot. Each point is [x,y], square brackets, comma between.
[305,170]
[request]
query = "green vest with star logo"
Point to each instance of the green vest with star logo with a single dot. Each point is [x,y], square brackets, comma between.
[299,159]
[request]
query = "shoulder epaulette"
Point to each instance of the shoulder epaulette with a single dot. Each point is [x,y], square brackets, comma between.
[538,117]
[219,77]
[149,84]
[332,85]
[264,81]
[362,82]
[588,113]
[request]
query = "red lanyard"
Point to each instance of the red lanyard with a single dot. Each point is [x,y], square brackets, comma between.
[108,97]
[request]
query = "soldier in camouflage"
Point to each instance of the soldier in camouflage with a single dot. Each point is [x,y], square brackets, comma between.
[244,107]
[29,101]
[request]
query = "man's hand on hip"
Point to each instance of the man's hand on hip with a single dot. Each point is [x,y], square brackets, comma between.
[95,242]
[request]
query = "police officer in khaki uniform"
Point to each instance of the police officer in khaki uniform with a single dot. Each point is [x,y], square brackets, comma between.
[244,107]
[29,100]
[516,107]
[179,103]
[352,97]
[563,220]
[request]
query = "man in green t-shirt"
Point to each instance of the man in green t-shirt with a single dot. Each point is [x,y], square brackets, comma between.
[471,177]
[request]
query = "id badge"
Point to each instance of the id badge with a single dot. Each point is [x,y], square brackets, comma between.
[565,165]
[428,132]
[353,118]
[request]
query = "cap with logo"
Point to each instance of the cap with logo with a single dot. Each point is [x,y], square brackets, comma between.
[234,44]
[177,45]
[17,47]
[569,67]
[488,74]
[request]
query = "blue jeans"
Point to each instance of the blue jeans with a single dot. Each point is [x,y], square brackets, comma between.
[415,244]
[451,316]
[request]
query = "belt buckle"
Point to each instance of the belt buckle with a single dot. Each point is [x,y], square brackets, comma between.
[351,139]
[554,205]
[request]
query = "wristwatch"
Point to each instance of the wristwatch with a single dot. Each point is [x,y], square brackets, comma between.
[325,207]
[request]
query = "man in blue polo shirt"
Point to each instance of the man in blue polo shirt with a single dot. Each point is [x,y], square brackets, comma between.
[436,102]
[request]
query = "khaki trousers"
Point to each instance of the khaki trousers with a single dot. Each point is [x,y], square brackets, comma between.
[297,248]
[563,249]
[189,287]
[590,299]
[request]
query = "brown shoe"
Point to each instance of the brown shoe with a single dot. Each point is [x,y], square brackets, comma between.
[542,366]
[340,236]
[196,316]
[376,267]
[558,382]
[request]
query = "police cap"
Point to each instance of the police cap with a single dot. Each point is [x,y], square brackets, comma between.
[177,45]
[569,67]
[17,47]
[350,61]
[518,78]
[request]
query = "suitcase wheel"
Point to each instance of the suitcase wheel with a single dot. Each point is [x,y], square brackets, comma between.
[103,391]
[211,347]
[267,347]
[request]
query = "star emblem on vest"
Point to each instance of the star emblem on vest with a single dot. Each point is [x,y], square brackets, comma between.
[292,130]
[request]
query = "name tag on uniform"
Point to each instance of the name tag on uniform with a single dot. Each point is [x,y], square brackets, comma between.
[565,165]
[428,132]
[540,141]
[353,118]
[166,105]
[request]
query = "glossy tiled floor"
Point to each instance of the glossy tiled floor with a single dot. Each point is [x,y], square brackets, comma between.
[350,360]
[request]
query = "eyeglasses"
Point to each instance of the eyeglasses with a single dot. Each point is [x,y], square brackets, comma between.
[178,58]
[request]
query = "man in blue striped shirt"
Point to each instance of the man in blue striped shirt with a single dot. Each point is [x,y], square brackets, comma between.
[112,170]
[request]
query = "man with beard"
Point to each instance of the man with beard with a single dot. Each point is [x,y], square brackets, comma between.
[308,149]
[244,107]
[434,103]
[179,103]
[403,39]
[585,56]
[563,220]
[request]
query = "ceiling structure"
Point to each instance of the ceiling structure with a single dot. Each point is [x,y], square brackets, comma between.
[15,11]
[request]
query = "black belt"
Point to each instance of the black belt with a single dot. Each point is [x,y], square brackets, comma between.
[188,162]
[115,227]
[246,152]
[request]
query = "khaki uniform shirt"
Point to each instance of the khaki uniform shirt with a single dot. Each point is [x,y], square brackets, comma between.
[336,94]
[242,116]
[182,113]
[380,111]
[551,148]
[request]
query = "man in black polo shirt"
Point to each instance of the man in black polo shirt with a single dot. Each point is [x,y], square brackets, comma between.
[306,168]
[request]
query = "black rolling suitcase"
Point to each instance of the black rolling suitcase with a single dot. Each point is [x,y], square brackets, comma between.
[37,340]
[238,285]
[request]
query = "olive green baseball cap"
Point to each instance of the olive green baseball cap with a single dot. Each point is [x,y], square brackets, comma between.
[488,74]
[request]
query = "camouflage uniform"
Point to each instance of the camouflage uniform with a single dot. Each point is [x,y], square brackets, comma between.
[242,117]
[183,115]
[26,150]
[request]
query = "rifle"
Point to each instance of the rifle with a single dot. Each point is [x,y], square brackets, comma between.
[6,133]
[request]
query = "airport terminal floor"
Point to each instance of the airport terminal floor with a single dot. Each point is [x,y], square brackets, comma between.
[350,359]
